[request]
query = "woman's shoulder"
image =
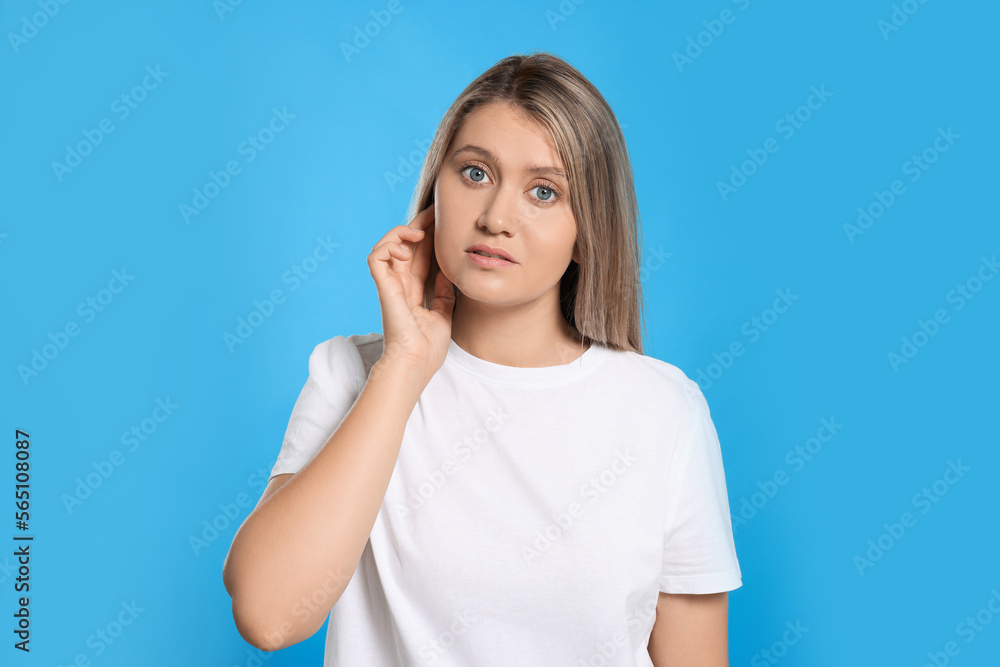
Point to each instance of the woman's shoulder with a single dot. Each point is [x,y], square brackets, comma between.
[358,350]
[658,375]
[369,346]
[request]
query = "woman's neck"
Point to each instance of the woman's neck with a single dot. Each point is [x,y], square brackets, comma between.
[516,336]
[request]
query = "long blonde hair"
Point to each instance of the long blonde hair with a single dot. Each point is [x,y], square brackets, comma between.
[602,296]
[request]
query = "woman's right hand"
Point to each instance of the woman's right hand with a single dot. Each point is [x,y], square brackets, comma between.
[413,336]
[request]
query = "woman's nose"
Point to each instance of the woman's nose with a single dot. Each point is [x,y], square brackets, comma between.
[503,210]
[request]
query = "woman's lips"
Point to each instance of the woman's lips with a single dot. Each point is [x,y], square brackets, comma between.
[490,250]
[488,262]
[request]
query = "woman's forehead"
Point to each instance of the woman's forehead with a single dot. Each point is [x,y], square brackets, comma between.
[499,134]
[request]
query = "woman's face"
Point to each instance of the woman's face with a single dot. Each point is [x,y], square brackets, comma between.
[502,185]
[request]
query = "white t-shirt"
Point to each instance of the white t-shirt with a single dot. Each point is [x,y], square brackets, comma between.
[533,515]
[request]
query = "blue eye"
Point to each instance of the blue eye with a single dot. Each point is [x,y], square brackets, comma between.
[476,174]
[550,192]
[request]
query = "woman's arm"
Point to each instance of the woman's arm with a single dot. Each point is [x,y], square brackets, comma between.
[295,554]
[691,631]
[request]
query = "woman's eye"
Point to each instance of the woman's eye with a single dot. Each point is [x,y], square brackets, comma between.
[478,175]
[544,193]
[475,173]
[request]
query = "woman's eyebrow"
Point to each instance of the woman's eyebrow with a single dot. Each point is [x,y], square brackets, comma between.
[488,155]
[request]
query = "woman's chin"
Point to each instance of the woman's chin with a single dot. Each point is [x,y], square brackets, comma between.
[498,297]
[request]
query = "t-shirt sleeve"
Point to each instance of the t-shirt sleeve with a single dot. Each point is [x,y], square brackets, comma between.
[334,383]
[699,553]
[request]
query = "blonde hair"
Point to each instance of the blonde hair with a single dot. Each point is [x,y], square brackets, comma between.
[602,296]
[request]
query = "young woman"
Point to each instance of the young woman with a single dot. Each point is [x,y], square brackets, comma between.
[500,477]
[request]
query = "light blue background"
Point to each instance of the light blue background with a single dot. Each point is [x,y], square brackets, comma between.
[324,175]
